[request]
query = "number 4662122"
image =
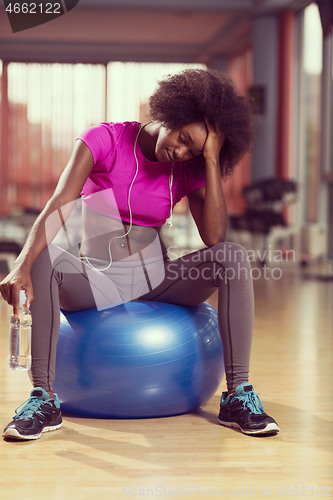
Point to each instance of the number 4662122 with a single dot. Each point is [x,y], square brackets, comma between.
[34,8]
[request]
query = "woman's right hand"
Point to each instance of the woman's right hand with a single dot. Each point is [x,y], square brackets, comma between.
[18,279]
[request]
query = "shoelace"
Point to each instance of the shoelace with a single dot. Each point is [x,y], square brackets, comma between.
[30,408]
[252,401]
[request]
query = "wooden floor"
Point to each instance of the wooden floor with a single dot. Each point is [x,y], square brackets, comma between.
[191,456]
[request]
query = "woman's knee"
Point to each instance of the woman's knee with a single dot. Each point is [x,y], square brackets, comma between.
[228,252]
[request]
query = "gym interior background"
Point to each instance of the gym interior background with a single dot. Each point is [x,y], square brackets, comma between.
[100,62]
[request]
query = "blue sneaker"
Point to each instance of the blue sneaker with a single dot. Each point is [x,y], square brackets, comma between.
[244,411]
[40,414]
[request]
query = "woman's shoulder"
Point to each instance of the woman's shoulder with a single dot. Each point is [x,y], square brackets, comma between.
[109,134]
[113,128]
[119,126]
[192,176]
[194,168]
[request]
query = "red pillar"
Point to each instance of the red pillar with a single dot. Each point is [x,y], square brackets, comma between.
[240,70]
[4,140]
[286,77]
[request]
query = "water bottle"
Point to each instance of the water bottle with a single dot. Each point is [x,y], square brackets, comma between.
[20,337]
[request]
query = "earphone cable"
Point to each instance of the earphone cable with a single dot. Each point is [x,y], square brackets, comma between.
[129,209]
[169,223]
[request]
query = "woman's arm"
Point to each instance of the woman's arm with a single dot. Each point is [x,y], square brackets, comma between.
[68,189]
[207,204]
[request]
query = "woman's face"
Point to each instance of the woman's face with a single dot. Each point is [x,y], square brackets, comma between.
[182,144]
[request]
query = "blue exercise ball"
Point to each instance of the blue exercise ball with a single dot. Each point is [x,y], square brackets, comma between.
[138,360]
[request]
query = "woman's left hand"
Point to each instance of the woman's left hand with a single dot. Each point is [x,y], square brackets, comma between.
[214,142]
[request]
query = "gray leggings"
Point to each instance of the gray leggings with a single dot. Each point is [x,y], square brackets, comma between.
[189,280]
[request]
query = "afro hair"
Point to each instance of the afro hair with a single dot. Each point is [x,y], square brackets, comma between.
[195,95]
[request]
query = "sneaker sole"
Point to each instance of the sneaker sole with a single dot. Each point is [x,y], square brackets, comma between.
[269,429]
[12,433]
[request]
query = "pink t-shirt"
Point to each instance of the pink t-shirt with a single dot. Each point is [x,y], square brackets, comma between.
[112,147]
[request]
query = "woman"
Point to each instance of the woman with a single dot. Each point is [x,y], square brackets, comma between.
[200,129]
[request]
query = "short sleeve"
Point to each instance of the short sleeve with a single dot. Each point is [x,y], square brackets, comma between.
[100,141]
[196,178]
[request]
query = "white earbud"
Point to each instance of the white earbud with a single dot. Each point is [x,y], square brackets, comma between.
[169,221]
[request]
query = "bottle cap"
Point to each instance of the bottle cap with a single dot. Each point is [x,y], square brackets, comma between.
[23,297]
